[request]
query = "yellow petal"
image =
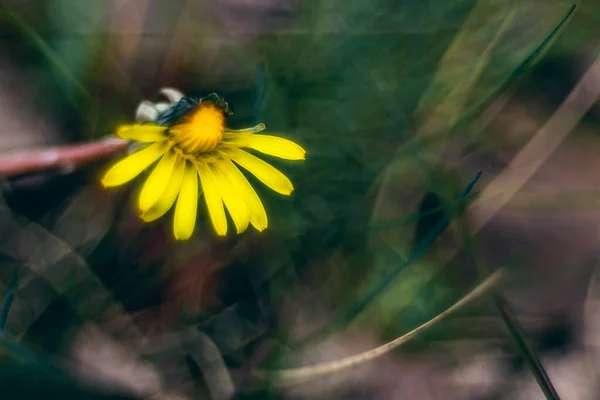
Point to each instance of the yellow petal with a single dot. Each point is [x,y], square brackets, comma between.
[187,205]
[258,215]
[271,145]
[234,201]
[214,202]
[167,198]
[146,133]
[157,181]
[253,129]
[131,166]
[265,172]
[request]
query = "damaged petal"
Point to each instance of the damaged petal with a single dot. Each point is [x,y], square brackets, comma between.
[146,112]
[173,95]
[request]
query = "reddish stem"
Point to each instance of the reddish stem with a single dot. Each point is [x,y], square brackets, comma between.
[29,161]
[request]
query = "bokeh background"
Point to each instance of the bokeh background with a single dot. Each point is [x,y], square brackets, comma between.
[399,105]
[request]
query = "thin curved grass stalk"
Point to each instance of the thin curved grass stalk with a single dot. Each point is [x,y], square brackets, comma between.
[358,306]
[284,377]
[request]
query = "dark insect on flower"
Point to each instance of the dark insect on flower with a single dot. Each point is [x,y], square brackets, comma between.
[187,105]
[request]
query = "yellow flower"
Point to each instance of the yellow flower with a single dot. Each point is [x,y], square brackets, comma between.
[195,153]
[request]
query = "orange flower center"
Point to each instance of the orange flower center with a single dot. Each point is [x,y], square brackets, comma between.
[200,131]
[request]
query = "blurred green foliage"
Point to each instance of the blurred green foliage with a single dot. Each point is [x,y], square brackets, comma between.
[356,83]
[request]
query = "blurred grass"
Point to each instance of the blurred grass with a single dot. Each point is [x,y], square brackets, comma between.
[398,238]
[355,84]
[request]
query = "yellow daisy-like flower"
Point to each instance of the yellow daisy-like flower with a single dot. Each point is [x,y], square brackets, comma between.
[195,152]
